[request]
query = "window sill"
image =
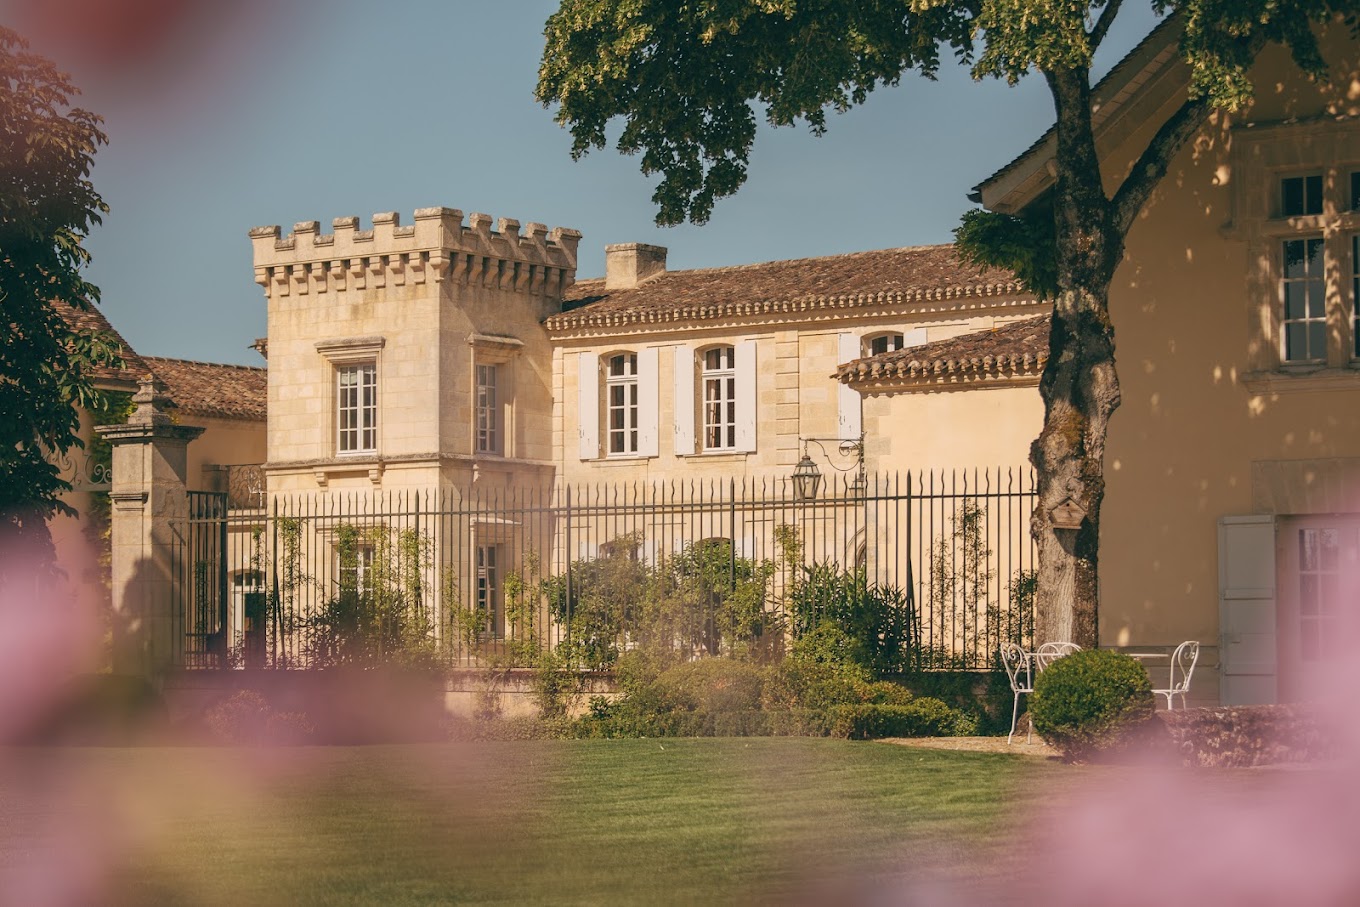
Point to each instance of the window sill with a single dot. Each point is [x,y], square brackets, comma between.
[1302,379]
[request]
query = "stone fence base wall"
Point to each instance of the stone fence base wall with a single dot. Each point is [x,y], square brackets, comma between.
[1244,736]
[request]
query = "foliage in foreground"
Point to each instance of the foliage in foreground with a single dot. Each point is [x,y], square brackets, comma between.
[1091,702]
[47,207]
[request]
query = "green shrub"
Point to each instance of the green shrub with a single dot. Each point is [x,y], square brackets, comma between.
[712,685]
[985,694]
[820,672]
[879,619]
[1090,702]
[919,718]
[248,718]
[555,686]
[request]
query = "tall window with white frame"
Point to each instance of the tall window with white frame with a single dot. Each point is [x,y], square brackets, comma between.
[354,568]
[488,589]
[720,398]
[357,408]
[1304,288]
[621,401]
[1355,286]
[1303,284]
[488,412]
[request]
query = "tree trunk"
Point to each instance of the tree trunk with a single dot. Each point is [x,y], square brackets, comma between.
[1080,391]
[1079,386]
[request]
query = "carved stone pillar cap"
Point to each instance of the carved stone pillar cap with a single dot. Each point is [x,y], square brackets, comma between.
[153,403]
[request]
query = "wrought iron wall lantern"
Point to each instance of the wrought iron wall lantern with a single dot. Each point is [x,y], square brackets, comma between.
[807,478]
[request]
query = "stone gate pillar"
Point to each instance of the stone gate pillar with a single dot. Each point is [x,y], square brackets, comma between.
[149,508]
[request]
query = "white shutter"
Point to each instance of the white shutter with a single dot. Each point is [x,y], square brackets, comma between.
[649,418]
[746,395]
[1246,610]
[847,398]
[588,405]
[684,401]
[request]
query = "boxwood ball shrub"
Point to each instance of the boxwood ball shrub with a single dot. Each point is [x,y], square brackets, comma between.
[1090,702]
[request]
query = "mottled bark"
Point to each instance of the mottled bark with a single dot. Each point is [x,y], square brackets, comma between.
[1080,391]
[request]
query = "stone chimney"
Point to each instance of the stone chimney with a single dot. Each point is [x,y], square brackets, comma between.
[626,265]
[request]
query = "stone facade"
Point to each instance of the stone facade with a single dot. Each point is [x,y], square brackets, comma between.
[429,305]
[414,315]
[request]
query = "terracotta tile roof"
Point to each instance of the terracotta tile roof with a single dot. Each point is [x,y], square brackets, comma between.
[837,282]
[1015,350]
[92,319]
[212,389]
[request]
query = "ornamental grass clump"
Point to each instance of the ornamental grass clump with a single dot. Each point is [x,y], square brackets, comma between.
[1091,703]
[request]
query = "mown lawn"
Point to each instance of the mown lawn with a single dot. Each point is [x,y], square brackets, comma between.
[569,822]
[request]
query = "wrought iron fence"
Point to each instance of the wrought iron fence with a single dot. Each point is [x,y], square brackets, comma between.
[929,571]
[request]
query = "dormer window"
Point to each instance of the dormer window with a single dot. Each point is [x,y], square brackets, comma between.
[877,344]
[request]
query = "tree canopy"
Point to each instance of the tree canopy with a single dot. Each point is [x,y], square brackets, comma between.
[47,207]
[689,79]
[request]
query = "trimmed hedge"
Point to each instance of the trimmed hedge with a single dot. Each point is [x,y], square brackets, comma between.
[923,717]
[1091,702]
[984,694]
[860,721]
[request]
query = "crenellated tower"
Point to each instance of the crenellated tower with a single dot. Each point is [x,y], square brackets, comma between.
[410,356]
[437,248]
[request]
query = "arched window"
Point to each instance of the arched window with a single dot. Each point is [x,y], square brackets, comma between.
[719,376]
[621,403]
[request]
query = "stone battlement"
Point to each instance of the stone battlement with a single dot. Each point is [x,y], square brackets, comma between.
[438,247]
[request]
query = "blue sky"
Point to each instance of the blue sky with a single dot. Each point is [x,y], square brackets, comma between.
[226,116]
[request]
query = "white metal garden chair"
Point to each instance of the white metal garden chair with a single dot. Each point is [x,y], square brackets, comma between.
[1050,652]
[1019,668]
[1182,667]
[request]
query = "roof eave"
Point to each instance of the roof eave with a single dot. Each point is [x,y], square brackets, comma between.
[1010,189]
[931,381]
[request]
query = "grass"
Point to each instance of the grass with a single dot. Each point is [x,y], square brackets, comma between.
[559,822]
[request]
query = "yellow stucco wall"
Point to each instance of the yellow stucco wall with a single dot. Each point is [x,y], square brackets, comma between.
[224,442]
[966,428]
[1192,314]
